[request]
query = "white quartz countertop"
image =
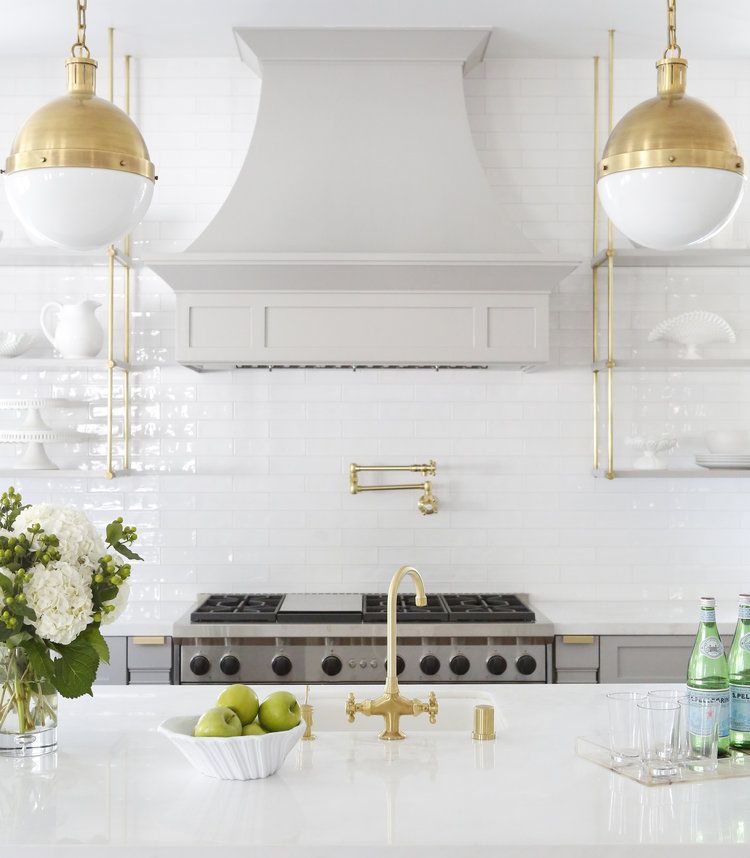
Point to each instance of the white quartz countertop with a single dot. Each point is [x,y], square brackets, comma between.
[118,787]
[632,618]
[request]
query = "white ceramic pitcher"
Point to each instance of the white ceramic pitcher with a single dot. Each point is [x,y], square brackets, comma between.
[77,333]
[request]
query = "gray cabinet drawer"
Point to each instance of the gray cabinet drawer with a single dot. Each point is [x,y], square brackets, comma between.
[646,658]
[149,677]
[150,652]
[589,676]
[116,672]
[576,651]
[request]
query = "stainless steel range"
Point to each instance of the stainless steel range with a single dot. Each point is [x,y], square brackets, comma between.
[341,638]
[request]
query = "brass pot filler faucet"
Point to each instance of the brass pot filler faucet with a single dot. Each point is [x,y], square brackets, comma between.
[427,503]
[391,705]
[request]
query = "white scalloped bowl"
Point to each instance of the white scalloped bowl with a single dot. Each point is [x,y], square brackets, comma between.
[15,343]
[234,758]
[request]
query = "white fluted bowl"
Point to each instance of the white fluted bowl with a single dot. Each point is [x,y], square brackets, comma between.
[234,758]
[15,343]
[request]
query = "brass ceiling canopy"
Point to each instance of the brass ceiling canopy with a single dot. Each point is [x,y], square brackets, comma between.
[79,129]
[672,129]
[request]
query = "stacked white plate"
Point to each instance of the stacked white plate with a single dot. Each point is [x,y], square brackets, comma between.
[723,460]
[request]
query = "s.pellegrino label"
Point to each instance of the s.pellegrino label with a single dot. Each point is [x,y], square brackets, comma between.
[708,676]
[739,679]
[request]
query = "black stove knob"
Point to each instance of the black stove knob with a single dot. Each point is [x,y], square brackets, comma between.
[400,665]
[496,665]
[229,665]
[430,664]
[331,665]
[281,665]
[200,665]
[460,665]
[526,664]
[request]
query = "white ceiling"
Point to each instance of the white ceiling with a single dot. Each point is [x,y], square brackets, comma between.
[531,28]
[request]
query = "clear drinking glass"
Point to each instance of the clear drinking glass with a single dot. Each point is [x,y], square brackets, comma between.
[677,695]
[659,722]
[624,743]
[701,720]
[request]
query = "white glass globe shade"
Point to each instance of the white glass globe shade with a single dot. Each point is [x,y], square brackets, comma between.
[670,208]
[80,208]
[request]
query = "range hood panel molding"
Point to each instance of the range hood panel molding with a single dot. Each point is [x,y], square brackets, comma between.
[361,177]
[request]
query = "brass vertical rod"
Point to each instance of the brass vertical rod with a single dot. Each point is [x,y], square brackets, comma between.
[110,355]
[595,272]
[111,52]
[610,285]
[127,246]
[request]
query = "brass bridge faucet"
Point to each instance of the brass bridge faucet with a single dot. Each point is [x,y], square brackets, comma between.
[391,705]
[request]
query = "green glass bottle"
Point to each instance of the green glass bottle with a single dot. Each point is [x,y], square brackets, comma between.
[739,679]
[708,673]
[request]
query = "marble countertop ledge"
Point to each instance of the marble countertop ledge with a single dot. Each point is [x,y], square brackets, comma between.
[117,787]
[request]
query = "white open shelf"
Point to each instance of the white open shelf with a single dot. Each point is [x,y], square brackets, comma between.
[54,364]
[691,473]
[54,258]
[707,257]
[674,365]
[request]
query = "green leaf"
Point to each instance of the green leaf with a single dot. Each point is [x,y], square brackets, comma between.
[5,583]
[39,658]
[75,669]
[123,549]
[93,636]
[17,638]
[22,611]
[106,593]
[114,533]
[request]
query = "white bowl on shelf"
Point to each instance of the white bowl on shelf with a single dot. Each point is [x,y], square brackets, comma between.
[15,343]
[727,441]
[234,758]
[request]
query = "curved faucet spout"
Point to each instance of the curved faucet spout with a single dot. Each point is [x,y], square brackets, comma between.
[391,682]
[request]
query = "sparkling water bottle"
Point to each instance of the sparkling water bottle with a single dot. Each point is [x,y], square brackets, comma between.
[739,679]
[708,675]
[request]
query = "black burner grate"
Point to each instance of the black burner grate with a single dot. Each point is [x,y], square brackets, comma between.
[489,607]
[375,605]
[238,608]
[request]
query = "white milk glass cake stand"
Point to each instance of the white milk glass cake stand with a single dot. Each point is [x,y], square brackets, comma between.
[35,433]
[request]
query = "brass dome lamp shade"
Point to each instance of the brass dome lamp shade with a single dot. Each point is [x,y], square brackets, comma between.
[79,175]
[670,175]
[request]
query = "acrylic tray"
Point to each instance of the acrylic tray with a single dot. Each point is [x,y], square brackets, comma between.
[736,765]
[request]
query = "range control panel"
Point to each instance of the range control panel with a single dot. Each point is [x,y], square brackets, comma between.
[358,662]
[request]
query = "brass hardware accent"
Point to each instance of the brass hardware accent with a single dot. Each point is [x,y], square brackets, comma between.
[149,640]
[79,129]
[307,717]
[391,705]
[484,723]
[672,129]
[427,503]
[577,639]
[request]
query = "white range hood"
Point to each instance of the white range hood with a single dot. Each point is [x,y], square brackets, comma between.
[361,229]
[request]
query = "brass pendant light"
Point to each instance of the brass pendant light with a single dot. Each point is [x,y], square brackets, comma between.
[79,173]
[670,175]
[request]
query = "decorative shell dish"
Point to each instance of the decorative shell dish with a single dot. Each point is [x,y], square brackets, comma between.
[234,758]
[693,329]
[15,343]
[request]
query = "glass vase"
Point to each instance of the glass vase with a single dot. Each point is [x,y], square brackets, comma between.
[28,708]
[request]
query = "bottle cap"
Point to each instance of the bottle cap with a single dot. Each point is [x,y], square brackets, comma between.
[708,602]
[744,598]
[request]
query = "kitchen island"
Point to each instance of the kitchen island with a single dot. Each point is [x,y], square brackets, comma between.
[117,787]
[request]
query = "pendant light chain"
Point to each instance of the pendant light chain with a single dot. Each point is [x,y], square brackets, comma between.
[80,43]
[673,49]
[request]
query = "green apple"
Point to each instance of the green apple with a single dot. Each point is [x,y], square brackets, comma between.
[219,721]
[279,711]
[242,699]
[253,729]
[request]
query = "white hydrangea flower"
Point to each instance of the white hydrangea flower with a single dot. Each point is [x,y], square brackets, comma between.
[61,599]
[80,543]
[120,600]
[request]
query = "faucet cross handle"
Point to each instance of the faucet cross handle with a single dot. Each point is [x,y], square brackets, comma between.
[432,707]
